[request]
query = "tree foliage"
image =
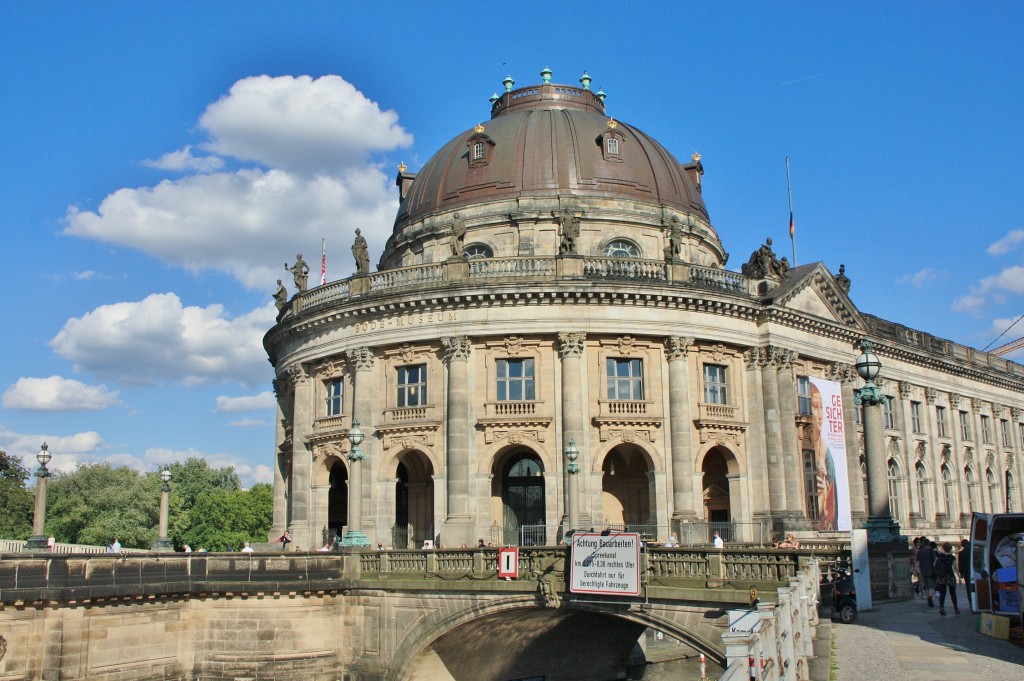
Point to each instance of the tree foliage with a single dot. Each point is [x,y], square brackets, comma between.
[16,502]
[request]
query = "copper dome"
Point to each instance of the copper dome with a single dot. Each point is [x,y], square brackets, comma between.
[544,141]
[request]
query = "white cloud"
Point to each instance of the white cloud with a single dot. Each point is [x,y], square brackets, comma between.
[1010,279]
[87,275]
[157,340]
[1012,239]
[67,451]
[57,394]
[248,473]
[300,124]
[922,278]
[969,302]
[315,136]
[265,400]
[249,423]
[183,160]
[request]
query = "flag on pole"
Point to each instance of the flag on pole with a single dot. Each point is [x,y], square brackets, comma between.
[792,225]
[323,260]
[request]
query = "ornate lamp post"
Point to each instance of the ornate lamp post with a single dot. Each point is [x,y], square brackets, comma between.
[162,542]
[355,536]
[881,526]
[573,493]
[37,542]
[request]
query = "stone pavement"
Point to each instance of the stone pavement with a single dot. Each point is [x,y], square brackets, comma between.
[908,641]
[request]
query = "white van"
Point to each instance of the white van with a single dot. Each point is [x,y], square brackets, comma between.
[995,540]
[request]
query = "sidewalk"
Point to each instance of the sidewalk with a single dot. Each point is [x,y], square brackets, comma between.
[908,641]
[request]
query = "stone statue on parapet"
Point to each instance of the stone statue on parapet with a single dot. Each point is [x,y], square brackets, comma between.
[764,264]
[843,281]
[674,247]
[458,238]
[547,591]
[361,252]
[568,232]
[300,270]
[280,296]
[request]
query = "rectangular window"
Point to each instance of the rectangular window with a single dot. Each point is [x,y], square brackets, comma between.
[941,425]
[889,411]
[986,430]
[965,426]
[412,386]
[916,422]
[1004,432]
[810,485]
[335,396]
[716,390]
[515,380]
[613,145]
[478,151]
[803,395]
[625,379]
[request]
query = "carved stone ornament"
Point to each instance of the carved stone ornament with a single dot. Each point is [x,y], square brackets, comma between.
[1009,461]
[678,348]
[905,389]
[407,353]
[296,375]
[954,400]
[931,394]
[764,263]
[571,343]
[513,436]
[281,387]
[1016,413]
[514,346]
[717,352]
[977,406]
[894,447]
[920,450]
[456,348]
[627,345]
[331,369]
[990,459]
[968,454]
[362,358]
[841,372]
[327,449]
[998,410]
[947,453]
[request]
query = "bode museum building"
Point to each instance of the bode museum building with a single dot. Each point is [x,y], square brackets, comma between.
[551,341]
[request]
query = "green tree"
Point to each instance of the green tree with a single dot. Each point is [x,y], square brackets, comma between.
[16,502]
[98,502]
[221,518]
[190,482]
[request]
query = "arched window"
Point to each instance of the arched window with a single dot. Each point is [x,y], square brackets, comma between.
[894,489]
[973,502]
[478,251]
[949,490]
[1011,493]
[924,491]
[995,491]
[620,248]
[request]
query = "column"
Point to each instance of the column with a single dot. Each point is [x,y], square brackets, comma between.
[301,458]
[574,404]
[984,456]
[935,458]
[362,361]
[458,523]
[773,435]
[1016,464]
[914,505]
[791,450]
[282,460]
[959,461]
[684,507]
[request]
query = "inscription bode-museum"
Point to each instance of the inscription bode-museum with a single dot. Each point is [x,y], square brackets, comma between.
[406,320]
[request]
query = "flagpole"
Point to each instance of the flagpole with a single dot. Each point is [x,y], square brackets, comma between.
[792,225]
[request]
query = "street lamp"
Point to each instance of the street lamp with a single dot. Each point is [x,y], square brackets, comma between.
[881,526]
[162,542]
[37,542]
[354,535]
[573,502]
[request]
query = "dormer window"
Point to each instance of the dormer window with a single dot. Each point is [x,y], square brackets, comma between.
[611,141]
[479,147]
[612,145]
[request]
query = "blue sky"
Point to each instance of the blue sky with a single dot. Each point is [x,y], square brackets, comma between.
[161,162]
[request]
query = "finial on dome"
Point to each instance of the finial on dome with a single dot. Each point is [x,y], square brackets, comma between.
[508,83]
[601,95]
[546,74]
[478,128]
[402,167]
[612,123]
[585,80]
[696,156]
[494,97]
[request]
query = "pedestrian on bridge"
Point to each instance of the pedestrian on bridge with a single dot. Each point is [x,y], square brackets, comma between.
[945,577]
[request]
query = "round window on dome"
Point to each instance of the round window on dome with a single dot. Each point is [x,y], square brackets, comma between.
[478,251]
[620,248]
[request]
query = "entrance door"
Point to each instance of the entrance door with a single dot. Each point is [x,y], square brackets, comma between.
[523,499]
[337,500]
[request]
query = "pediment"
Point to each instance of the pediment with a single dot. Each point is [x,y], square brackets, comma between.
[815,293]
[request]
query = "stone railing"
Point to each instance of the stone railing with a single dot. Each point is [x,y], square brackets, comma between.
[624,268]
[406,414]
[16,546]
[627,408]
[404,277]
[511,409]
[723,280]
[329,424]
[496,268]
[709,411]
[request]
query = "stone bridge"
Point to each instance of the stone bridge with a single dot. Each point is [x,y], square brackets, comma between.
[365,615]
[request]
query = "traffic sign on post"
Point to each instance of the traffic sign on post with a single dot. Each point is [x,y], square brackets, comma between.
[508,562]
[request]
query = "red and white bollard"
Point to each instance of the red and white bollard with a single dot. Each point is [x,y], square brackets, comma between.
[703,668]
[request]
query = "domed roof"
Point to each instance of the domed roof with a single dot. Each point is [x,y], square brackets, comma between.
[547,140]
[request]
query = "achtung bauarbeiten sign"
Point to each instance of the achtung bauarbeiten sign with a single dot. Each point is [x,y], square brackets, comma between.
[608,565]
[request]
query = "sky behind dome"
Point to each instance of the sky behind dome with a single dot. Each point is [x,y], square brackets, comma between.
[162,161]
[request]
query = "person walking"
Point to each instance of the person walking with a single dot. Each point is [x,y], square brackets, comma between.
[963,564]
[926,569]
[945,577]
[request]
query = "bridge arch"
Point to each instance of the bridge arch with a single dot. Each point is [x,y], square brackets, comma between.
[531,635]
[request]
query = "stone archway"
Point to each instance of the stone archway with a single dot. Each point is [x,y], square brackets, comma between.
[414,500]
[337,499]
[518,487]
[627,497]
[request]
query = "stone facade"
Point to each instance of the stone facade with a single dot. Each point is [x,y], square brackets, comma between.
[590,304]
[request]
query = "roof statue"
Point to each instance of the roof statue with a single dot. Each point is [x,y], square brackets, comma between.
[300,271]
[764,264]
[361,252]
[843,281]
